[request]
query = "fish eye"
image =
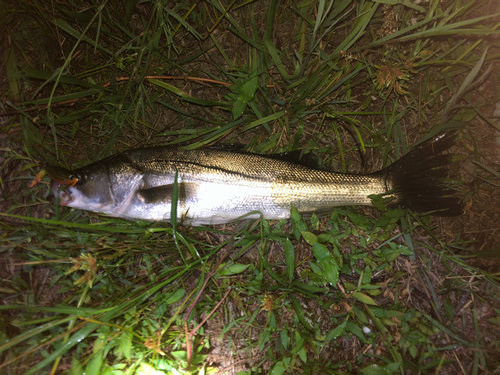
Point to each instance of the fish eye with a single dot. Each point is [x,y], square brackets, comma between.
[77,177]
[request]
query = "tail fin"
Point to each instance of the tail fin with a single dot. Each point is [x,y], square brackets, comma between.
[418,178]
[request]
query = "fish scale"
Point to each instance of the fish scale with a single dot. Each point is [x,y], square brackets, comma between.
[219,186]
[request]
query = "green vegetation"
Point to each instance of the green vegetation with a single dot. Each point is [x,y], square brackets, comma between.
[356,291]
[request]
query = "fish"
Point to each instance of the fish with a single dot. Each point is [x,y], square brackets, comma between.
[218,186]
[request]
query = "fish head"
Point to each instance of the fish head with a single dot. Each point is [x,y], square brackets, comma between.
[87,189]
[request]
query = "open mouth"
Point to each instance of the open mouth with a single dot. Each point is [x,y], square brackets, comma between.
[60,191]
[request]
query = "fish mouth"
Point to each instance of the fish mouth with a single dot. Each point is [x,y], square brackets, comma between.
[62,181]
[61,192]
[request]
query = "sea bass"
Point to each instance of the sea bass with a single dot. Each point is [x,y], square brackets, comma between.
[217,186]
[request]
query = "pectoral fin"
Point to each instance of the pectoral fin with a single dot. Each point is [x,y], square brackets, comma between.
[163,193]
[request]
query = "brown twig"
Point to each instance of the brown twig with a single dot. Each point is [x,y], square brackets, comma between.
[192,79]
[119,79]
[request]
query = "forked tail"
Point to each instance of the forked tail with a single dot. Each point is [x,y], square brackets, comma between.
[418,178]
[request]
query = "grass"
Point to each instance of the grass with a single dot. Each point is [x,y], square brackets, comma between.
[354,82]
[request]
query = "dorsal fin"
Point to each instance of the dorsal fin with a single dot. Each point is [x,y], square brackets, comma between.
[299,157]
